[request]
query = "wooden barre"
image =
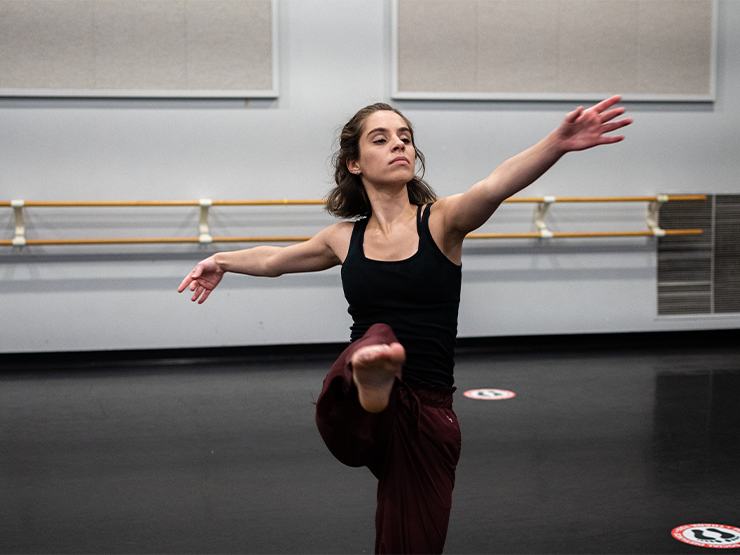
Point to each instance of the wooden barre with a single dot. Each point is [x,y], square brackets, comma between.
[205,204]
[298,239]
[160,203]
[582,234]
[606,199]
[307,202]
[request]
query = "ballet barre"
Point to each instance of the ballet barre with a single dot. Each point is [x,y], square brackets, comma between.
[543,204]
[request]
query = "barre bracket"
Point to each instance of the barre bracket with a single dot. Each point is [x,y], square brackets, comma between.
[20,225]
[539,217]
[203,229]
[654,214]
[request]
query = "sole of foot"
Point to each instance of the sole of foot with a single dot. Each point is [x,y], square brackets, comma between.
[374,370]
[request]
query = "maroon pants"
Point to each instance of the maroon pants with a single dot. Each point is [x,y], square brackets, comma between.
[412,447]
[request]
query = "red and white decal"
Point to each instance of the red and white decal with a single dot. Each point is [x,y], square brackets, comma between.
[489,394]
[717,536]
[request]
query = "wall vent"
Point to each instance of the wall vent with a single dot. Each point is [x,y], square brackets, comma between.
[700,274]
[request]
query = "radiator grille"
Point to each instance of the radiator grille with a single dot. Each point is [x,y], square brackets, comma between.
[700,274]
[727,254]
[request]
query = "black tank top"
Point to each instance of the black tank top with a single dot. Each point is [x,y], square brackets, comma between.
[418,298]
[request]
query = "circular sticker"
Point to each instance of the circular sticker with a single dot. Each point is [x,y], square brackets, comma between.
[717,536]
[489,394]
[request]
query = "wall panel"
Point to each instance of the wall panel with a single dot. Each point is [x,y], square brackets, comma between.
[554,49]
[134,48]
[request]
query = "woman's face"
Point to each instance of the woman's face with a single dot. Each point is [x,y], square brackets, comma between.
[387,154]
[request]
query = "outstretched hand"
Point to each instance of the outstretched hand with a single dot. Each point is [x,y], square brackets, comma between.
[586,128]
[202,280]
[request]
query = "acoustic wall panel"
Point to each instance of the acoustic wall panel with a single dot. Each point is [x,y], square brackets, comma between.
[138,48]
[554,49]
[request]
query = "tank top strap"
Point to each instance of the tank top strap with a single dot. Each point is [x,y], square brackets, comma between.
[419,217]
[358,234]
[422,221]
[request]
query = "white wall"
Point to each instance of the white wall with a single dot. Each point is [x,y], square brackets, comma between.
[334,59]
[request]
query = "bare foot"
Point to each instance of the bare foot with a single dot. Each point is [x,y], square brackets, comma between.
[374,370]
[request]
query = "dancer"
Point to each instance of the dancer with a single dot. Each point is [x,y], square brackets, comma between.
[387,401]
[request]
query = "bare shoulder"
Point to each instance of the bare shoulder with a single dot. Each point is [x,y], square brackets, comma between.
[447,238]
[441,213]
[337,238]
[443,205]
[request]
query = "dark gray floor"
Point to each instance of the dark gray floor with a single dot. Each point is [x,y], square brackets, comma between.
[601,451]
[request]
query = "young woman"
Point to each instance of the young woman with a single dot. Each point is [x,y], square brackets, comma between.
[387,401]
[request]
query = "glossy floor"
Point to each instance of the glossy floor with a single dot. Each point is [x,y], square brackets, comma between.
[601,451]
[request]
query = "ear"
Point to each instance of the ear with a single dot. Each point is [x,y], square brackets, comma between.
[353,166]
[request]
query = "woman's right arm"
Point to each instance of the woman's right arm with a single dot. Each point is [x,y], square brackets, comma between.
[324,250]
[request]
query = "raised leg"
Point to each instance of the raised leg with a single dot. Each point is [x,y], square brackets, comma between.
[355,436]
[411,444]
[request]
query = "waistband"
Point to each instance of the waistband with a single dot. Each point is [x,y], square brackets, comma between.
[431,395]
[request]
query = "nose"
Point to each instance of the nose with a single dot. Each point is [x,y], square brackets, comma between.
[398,144]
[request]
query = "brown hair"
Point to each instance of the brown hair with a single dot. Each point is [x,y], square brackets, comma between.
[348,198]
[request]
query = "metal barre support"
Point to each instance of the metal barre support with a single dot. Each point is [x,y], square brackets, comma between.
[205,232]
[539,217]
[20,225]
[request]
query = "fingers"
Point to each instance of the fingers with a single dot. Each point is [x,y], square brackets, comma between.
[609,127]
[608,115]
[191,282]
[606,104]
[573,116]
[195,274]
[184,284]
[201,292]
[611,140]
[611,114]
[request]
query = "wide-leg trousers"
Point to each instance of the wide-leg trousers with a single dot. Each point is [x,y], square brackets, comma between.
[412,447]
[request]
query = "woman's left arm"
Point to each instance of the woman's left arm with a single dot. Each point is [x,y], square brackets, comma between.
[580,130]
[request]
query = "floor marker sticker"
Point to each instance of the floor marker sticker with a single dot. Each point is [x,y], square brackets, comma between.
[717,536]
[489,394]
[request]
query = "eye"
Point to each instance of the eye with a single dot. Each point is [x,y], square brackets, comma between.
[379,141]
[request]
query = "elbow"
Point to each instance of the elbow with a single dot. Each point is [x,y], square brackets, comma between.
[270,268]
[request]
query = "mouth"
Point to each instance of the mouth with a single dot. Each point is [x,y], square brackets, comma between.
[399,160]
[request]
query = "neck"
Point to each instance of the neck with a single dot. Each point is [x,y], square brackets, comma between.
[390,205]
